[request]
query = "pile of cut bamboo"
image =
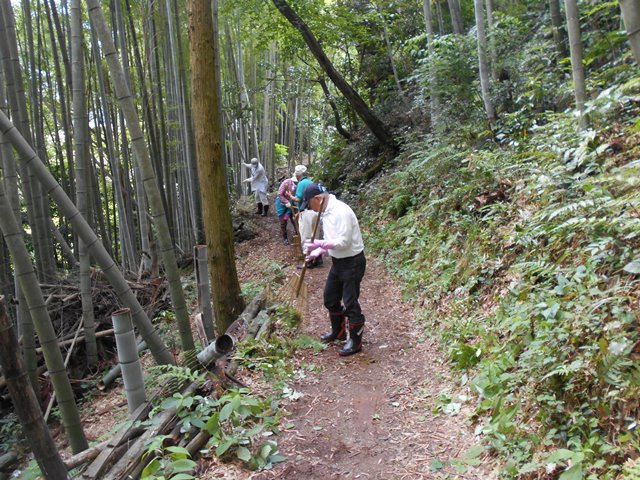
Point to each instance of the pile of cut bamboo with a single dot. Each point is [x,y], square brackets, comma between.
[121,457]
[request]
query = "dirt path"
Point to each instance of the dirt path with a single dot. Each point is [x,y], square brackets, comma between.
[372,415]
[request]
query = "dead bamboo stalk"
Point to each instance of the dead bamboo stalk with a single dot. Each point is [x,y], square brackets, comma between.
[130,464]
[256,329]
[66,362]
[100,465]
[92,452]
[64,343]
[129,461]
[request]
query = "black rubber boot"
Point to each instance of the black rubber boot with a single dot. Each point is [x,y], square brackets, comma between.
[283,231]
[259,211]
[354,344]
[265,210]
[338,328]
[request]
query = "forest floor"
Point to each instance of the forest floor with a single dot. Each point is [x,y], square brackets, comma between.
[393,411]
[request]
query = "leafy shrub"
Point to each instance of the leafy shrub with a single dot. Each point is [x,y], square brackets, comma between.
[536,293]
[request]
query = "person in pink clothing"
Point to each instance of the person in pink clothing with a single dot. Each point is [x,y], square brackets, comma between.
[286,193]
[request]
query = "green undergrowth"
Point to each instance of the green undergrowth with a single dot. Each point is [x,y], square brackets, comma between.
[523,254]
[242,423]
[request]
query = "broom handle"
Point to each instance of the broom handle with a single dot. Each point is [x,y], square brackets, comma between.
[313,237]
[315,227]
[295,220]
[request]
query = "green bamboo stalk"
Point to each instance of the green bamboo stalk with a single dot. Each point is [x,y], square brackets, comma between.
[110,269]
[26,403]
[80,137]
[123,93]
[30,286]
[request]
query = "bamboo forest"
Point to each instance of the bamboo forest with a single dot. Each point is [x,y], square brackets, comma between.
[320,239]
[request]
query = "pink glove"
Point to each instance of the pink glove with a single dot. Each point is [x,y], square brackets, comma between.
[326,244]
[315,254]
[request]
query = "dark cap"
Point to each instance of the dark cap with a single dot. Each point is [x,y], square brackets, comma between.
[310,191]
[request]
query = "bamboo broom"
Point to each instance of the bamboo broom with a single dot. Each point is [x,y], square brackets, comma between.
[295,290]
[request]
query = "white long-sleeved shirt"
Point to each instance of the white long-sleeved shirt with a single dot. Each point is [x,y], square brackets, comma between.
[341,227]
[258,178]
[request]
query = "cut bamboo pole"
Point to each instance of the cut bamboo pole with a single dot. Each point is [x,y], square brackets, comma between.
[128,359]
[92,453]
[115,372]
[220,346]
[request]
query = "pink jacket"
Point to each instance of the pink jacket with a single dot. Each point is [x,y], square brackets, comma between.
[287,185]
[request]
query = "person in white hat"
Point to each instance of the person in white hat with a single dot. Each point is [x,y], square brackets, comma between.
[306,217]
[259,183]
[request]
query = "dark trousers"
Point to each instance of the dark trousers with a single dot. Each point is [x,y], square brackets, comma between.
[342,290]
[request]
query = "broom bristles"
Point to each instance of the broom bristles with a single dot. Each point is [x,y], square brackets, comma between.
[287,294]
[297,248]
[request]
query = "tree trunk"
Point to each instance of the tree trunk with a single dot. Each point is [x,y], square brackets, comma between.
[80,138]
[440,17]
[125,232]
[433,81]
[151,187]
[26,404]
[10,179]
[456,16]
[557,26]
[368,117]
[268,128]
[128,359]
[392,62]
[188,134]
[227,301]
[57,48]
[577,67]
[24,322]
[631,17]
[493,56]
[41,238]
[482,62]
[18,103]
[334,108]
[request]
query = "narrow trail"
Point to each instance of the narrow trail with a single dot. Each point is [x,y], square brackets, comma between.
[373,415]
